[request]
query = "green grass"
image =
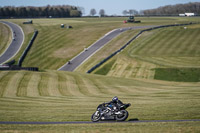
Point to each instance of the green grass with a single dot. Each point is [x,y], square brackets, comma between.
[54,46]
[107,50]
[65,96]
[104,70]
[178,74]
[172,42]
[178,127]
[169,47]
[5,37]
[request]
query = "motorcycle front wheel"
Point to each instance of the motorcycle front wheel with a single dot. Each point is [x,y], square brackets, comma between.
[96,116]
[123,116]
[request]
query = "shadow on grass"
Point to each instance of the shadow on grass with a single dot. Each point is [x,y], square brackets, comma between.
[134,119]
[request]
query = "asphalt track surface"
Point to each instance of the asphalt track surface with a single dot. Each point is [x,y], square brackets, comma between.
[15,45]
[84,55]
[89,122]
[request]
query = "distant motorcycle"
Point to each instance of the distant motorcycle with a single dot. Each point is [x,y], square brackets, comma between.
[110,112]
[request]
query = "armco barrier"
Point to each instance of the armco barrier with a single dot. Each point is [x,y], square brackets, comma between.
[17,68]
[21,59]
[123,47]
[10,63]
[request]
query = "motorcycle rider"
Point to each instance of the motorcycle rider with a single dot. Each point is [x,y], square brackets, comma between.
[115,103]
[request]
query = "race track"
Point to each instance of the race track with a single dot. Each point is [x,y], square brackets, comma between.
[16,43]
[89,122]
[84,55]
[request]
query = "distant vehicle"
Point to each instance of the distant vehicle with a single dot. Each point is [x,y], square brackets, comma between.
[28,22]
[187,14]
[4,66]
[62,26]
[110,112]
[131,20]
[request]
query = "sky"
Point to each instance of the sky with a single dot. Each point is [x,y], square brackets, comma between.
[111,7]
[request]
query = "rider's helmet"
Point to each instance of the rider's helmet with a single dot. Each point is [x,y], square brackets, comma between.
[115,99]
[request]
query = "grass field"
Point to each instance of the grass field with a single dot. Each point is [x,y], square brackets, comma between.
[54,46]
[65,96]
[169,47]
[179,127]
[51,95]
[178,74]
[5,37]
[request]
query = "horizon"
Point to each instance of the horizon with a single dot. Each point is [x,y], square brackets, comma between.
[116,9]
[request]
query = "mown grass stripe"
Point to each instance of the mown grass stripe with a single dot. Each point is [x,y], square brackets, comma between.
[33,85]
[81,85]
[73,87]
[182,41]
[47,45]
[91,88]
[43,51]
[100,86]
[22,88]
[152,43]
[53,85]
[43,85]
[107,88]
[193,46]
[166,43]
[179,43]
[4,78]
[13,83]
[3,73]
[63,85]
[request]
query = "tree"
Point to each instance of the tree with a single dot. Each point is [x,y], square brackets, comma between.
[75,13]
[174,9]
[133,12]
[82,10]
[45,11]
[125,12]
[130,12]
[102,13]
[93,12]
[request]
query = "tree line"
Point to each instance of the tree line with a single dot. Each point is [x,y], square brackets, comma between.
[192,7]
[102,12]
[44,11]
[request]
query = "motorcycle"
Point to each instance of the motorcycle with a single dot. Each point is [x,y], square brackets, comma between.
[110,112]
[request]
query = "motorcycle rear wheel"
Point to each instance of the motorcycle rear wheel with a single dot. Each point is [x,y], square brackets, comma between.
[123,116]
[96,118]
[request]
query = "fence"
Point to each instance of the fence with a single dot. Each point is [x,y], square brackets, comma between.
[123,47]
[15,68]
[21,59]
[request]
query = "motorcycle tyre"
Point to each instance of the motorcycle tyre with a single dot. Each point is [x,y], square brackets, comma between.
[95,120]
[122,118]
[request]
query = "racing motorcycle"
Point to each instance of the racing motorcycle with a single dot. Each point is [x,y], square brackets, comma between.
[110,112]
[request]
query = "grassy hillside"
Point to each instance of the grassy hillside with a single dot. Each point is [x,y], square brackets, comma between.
[64,96]
[112,46]
[168,47]
[5,37]
[55,46]
[150,127]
